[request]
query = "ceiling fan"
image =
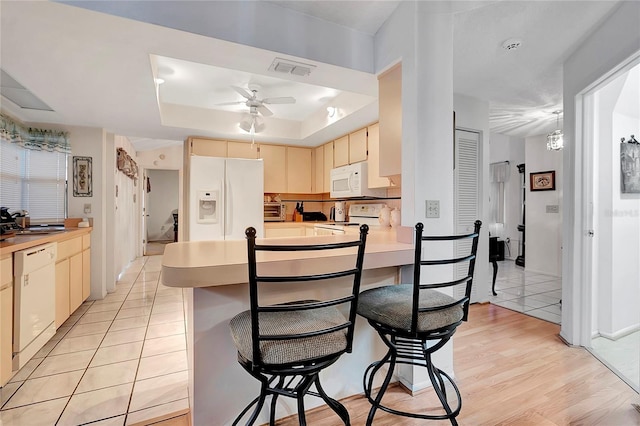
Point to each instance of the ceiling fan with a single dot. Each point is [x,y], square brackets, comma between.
[256,105]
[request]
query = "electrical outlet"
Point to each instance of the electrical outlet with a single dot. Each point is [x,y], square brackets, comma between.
[432,208]
[87,208]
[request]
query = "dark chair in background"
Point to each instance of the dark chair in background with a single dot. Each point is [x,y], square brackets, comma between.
[285,346]
[175,227]
[415,320]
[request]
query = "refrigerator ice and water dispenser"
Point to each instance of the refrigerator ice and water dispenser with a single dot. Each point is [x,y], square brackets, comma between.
[208,206]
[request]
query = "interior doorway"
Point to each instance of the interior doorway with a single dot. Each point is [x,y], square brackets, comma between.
[160,210]
[611,246]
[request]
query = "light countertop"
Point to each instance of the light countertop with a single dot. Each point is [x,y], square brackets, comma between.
[23,242]
[215,263]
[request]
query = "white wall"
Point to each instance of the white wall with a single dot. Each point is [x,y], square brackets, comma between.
[543,231]
[162,201]
[511,149]
[125,210]
[604,50]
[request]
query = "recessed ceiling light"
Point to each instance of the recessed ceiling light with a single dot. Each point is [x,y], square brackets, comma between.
[512,44]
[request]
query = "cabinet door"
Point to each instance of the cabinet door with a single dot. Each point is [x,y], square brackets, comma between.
[6,330]
[341,151]
[209,147]
[374,178]
[75,282]
[242,150]
[275,170]
[86,274]
[358,146]
[298,170]
[62,292]
[390,106]
[328,165]
[318,176]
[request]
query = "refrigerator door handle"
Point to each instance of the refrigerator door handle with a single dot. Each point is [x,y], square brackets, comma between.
[228,225]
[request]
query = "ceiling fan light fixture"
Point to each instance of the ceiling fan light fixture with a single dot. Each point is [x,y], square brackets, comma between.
[555,139]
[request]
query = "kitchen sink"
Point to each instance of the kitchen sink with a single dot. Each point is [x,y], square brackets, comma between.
[39,231]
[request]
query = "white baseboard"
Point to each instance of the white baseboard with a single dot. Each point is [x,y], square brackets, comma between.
[621,333]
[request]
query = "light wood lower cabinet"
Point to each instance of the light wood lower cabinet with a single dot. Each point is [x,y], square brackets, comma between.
[73,276]
[6,317]
[62,292]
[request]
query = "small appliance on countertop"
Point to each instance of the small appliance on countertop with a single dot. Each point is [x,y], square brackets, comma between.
[314,216]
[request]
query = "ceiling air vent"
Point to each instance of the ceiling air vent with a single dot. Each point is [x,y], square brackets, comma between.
[287,66]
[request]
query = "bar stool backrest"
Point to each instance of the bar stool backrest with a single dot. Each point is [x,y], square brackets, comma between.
[258,281]
[418,262]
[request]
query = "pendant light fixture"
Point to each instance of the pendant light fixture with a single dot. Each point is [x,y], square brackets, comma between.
[555,140]
[252,123]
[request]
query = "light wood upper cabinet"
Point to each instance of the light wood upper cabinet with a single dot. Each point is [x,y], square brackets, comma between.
[358,146]
[208,147]
[341,151]
[242,150]
[374,178]
[328,165]
[390,109]
[298,170]
[318,170]
[6,317]
[275,167]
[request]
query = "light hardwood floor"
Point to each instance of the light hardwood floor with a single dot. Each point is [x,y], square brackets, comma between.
[512,369]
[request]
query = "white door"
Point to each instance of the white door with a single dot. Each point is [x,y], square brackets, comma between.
[244,189]
[206,198]
[145,214]
[466,189]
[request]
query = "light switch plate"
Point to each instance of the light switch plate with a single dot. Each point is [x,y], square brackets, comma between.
[87,208]
[553,208]
[432,208]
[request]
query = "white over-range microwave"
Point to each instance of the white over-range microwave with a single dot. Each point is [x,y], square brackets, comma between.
[352,181]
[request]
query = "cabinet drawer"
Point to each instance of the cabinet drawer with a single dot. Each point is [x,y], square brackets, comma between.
[6,270]
[69,248]
[86,241]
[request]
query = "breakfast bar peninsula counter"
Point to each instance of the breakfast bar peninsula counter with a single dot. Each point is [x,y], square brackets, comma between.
[214,276]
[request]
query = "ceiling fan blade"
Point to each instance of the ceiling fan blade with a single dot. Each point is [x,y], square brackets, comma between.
[231,103]
[242,92]
[265,111]
[282,100]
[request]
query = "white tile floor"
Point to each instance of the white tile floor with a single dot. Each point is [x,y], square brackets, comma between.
[116,361]
[534,294]
[622,356]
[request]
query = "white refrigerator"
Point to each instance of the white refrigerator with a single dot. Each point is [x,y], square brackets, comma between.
[226,196]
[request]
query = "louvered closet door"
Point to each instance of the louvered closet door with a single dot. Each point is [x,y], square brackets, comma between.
[466,199]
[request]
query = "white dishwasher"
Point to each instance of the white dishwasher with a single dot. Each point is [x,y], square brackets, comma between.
[33,300]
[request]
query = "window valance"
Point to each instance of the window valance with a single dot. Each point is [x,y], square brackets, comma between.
[31,138]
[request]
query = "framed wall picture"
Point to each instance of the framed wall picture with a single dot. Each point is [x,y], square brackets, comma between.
[82,177]
[542,181]
[630,168]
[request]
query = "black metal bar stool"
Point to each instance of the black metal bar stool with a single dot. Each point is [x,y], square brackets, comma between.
[415,320]
[285,346]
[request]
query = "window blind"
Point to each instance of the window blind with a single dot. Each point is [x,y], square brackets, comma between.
[33,180]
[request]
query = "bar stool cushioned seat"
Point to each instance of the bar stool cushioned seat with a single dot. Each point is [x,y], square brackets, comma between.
[296,322]
[396,312]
